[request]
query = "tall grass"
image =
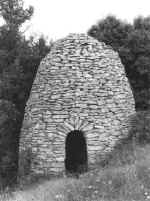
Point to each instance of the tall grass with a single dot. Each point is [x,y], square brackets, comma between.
[126,182]
[123,176]
[121,181]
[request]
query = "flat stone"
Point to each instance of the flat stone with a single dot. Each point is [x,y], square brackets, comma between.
[80,85]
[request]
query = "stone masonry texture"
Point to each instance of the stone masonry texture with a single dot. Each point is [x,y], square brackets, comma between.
[80,85]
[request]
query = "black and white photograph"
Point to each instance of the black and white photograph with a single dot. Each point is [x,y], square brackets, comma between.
[74,100]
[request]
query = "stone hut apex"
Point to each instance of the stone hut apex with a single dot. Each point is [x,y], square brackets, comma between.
[79,107]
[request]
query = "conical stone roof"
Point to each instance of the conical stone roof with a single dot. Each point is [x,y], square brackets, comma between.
[80,85]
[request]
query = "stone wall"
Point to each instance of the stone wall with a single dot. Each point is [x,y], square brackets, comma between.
[80,85]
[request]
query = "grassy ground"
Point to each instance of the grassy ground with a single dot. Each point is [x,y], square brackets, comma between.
[123,176]
[126,177]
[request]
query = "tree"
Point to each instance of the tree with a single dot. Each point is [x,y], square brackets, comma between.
[11,42]
[141,23]
[9,121]
[112,31]
[19,60]
[19,57]
[132,41]
[13,13]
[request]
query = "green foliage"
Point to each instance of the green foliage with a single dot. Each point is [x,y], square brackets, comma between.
[132,41]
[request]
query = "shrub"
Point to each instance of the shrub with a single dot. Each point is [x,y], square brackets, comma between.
[9,130]
[124,153]
[140,131]
[25,162]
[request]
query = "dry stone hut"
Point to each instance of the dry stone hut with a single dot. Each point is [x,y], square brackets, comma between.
[79,108]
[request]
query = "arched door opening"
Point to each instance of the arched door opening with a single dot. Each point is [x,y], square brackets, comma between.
[76,160]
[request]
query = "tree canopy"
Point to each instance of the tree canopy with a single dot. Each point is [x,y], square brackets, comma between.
[19,60]
[132,42]
[13,13]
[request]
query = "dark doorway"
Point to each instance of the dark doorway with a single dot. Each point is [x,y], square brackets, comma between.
[76,153]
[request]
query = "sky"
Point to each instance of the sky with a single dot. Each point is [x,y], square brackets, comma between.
[57,18]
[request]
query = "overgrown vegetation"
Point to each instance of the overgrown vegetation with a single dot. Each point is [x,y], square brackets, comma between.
[125,176]
[19,59]
[127,168]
